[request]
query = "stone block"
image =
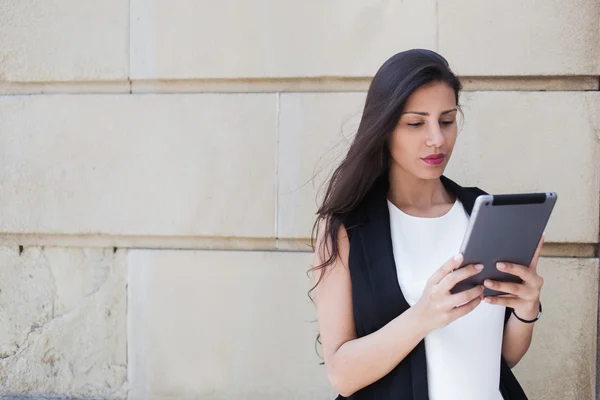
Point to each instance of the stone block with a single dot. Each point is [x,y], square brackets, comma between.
[273,39]
[68,40]
[148,165]
[517,37]
[220,325]
[63,323]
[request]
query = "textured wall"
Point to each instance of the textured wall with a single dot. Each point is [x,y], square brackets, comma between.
[157,191]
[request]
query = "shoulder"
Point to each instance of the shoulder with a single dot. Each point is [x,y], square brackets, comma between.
[476,191]
[466,194]
[459,189]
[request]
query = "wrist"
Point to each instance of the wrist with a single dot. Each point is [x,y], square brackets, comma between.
[528,312]
[421,321]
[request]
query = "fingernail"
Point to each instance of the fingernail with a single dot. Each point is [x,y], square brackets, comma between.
[501,265]
[488,300]
[488,283]
[458,257]
[479,267]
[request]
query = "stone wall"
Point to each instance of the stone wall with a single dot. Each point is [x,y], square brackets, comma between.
[157,191]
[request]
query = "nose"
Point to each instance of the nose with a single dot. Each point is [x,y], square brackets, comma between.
[435,137]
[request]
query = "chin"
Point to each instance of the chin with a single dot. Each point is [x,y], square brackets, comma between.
[431,173]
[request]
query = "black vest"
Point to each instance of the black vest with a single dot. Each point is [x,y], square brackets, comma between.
[377,298]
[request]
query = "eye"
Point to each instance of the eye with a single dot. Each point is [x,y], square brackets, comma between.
[447,122]
[415,124]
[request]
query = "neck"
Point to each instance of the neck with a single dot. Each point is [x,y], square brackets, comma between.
[409,190]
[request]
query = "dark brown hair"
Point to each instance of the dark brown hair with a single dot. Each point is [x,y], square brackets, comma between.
[368,156]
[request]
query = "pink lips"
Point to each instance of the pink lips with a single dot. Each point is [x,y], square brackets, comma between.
[434,159]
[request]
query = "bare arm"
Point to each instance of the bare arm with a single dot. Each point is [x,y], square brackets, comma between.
[524,299]
[355,363]
[517,338]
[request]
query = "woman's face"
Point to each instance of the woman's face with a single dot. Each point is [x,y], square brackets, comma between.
[422,142]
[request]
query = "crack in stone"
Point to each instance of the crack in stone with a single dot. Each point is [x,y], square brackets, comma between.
[105,272]
[9,354]
[24,345]
[54,298]
[35,327]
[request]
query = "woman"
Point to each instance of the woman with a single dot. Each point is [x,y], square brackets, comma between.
[389,228]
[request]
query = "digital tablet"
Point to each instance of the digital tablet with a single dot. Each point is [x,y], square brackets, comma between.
[504,228]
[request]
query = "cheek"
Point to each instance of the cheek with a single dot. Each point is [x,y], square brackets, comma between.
[404,146]
[396,144]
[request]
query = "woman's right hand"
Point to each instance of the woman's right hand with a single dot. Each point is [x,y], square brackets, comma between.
[437,305]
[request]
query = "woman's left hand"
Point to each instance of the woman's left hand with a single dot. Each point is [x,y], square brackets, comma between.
[523,298]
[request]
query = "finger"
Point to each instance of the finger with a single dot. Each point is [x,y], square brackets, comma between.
[458,299]
[527,274]
[515,289]
[521,271]
[463,310]
[508,296]
[447,268]
[450,280]
[511,302]
[536,256]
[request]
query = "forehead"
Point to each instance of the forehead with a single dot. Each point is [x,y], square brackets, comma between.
[434,97]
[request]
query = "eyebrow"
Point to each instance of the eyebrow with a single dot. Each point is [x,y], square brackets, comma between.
[427,114]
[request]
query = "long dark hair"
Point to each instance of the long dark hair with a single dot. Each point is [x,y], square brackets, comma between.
[368,156]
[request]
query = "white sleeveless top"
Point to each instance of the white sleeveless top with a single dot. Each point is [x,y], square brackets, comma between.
[463,358]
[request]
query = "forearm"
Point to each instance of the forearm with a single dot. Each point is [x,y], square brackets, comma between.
[517,339]
[362,361]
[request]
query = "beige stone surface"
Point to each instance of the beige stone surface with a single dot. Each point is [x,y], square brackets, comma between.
[536,142]
[171,165]
[222,325]
[271,38]
[530,83]
[520,37]
[63,322]
[67,40]
[510,142]
[315,132]
[561,362]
